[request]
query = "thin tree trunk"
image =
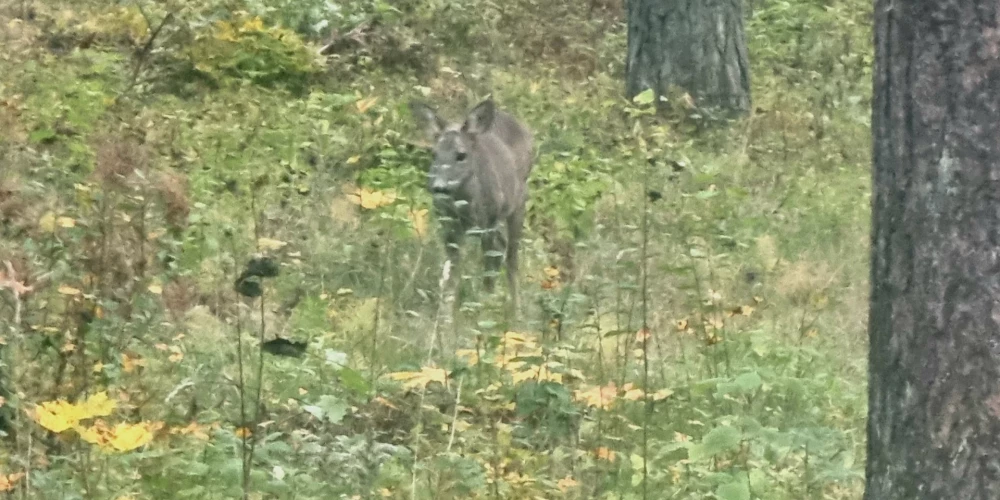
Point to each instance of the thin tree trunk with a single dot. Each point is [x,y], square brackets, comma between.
[696,45]
[934,395]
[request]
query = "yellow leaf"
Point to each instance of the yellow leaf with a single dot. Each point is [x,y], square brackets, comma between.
[98,367]
[127,437]
[371,199]
[270,244]
[51,416]
[65,222]
[155,288]
[365,104]
[95,434]
[48,222]
[518,376]
[662,394]
[243,432]
[471,356]
[514,339]
[354,159]
[413,380]
[68,290]
[631,393]
[98,405]
[194,430]
[419,220]
[60,415]
[597,396]
[253,24]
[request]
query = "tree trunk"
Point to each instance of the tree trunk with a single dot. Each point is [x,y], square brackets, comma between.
[934,324]
[696,45]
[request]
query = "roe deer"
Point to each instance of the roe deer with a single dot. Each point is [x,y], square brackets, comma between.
[479,179]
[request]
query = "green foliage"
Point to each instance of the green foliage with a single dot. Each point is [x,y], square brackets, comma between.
[243,48]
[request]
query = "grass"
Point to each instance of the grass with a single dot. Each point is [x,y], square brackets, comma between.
[742,376]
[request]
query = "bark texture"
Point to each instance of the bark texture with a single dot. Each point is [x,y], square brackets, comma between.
[697,45]
[934,394]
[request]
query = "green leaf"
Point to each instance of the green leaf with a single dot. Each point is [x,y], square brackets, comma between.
[329,408]
[336,359]
[192,492]
[42,135]
[721,439]
[644,98]
[353,381]
[736,490]
[637,465]
[749,382]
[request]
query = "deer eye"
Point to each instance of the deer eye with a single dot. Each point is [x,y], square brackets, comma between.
[460,157]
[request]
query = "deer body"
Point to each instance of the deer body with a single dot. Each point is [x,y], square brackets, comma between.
[479,181]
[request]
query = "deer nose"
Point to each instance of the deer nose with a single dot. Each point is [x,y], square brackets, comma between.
[439,185]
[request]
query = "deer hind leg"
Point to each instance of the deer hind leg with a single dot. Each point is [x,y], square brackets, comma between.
[493,244]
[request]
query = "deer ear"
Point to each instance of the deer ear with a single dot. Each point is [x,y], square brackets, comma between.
[480,119]
[428,119]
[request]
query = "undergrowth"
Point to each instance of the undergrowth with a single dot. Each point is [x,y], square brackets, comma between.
[219,269]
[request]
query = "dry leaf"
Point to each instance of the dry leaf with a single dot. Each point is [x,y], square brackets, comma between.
[48,222]
[371,199]
[419,220]
[363,105]
[269,244]
[566,483]
[7,481]
[604,453]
